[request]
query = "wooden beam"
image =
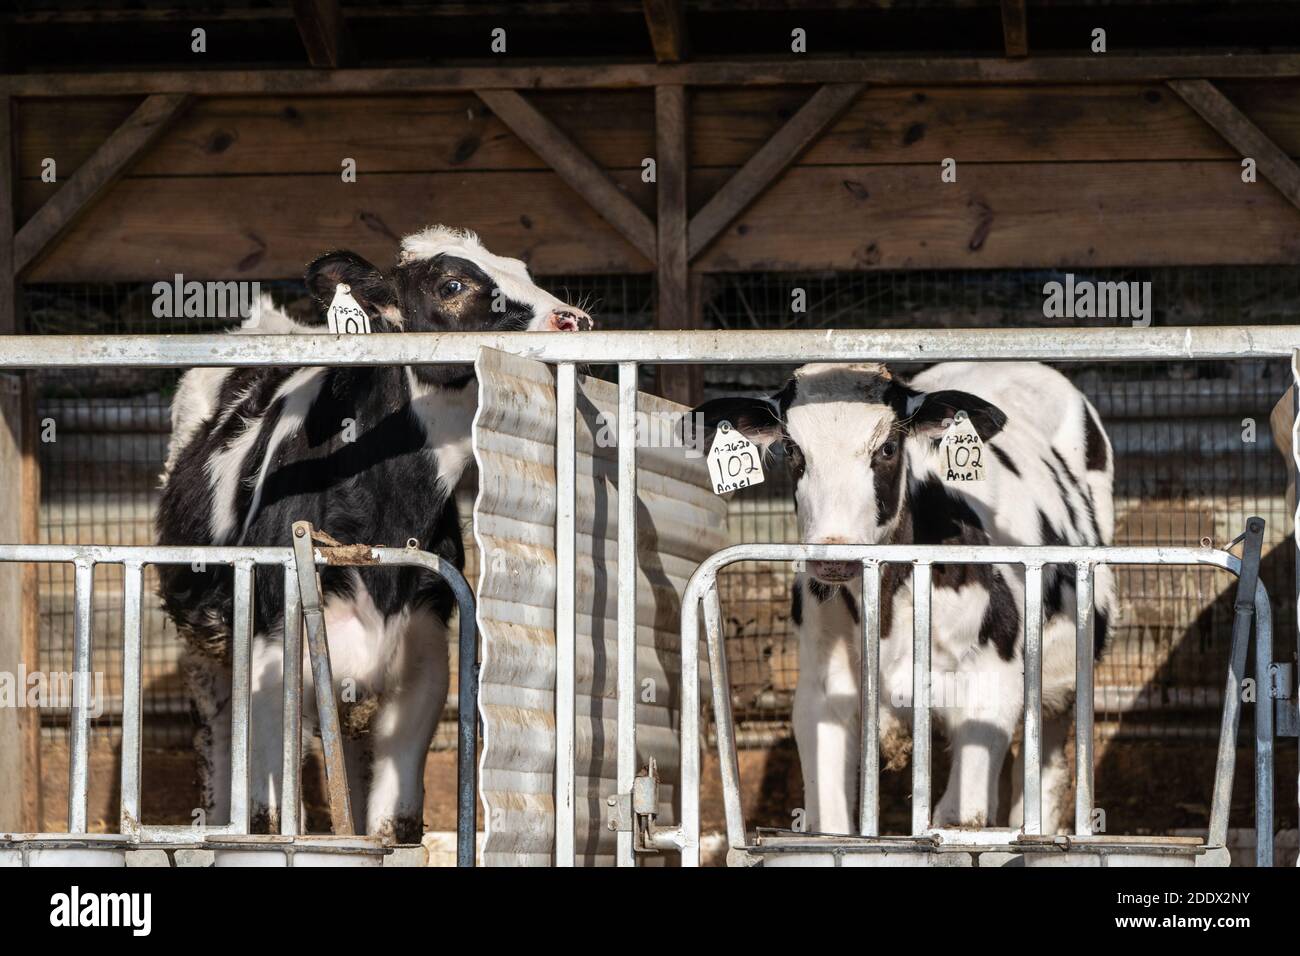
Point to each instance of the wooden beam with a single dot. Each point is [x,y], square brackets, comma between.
[99,172]
[1015,28]
[673,304]
[772,158]
[323,32]
[1244,136]
[15,781]
[880,71]
[666,21]
[574,166]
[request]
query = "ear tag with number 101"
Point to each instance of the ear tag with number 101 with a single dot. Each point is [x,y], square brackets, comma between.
[734,461]
[962,450]
[346,317]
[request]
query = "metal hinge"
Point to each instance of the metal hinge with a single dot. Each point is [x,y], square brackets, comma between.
[1286,717]
[637,811]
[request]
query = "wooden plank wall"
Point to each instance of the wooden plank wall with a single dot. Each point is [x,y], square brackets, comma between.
[1047,176]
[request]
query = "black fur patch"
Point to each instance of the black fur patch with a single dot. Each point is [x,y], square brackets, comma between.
[796,603]
[1095,454]
[1004,459]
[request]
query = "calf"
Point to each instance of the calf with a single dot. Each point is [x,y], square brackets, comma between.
[371,455]
[863,448]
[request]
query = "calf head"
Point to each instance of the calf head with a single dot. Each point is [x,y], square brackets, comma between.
[445,281]
[849,432]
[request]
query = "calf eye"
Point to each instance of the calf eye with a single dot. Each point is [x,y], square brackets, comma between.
[449,288]
[888,450]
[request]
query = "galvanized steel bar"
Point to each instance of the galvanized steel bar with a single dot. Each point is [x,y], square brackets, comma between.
[690,731]
[565,611]
[1084,666]
[728,765]
[1244,610]
[869,697]
[466,717]
[1033,736]
[921,697]
[327,715]
[291,770]
[132,713]
[240,697]
[79,718]
[667,347]
[627,575]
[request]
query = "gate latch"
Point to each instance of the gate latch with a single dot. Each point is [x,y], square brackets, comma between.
[1286,718]
[637,811]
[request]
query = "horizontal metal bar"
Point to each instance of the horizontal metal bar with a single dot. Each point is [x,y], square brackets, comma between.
[149,554]
[962,554]
[661,347]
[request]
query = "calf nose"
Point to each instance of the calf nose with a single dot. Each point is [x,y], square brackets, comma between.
[833,572]
[567,319]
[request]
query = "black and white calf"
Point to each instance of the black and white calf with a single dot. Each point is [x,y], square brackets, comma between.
[369,455]
[863,449]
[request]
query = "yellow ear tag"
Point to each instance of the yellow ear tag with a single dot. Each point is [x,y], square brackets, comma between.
[346,317]
[734,461]
[962,450]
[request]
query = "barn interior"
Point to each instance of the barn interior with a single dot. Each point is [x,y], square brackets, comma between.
[798,152]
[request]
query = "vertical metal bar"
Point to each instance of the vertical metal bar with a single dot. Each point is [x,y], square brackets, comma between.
[1230,721]
[1084,649]
[869,692]
[291,771]
[1263,731]
[690,727]
[467,732]
[322,676]
[920,698]
[132,598]
[239,696]
[565,607]
[627,572]
[728,760]
[1033,736]
[79,719]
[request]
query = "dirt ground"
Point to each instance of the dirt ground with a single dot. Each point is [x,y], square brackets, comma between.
[1148,786]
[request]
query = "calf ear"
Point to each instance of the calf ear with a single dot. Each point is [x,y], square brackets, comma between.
[932,412]
[370,288]
[755,418]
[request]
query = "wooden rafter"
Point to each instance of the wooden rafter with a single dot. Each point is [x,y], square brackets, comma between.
[1244,136]
[575,167]
[122,148]
[772,158]
[666,21]
[674,308]
[1015,28]
[904,71]
[323,32]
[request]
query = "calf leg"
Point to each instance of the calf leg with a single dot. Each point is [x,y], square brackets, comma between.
[208,684]
[414,694]
[826,733]
[266,726]
[1058,785]
[980,731]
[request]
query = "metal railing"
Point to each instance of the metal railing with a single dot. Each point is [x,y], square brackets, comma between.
[922,558]
[628,350]
[243,561]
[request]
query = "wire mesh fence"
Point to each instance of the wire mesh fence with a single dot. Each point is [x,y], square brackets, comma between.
[1194,459]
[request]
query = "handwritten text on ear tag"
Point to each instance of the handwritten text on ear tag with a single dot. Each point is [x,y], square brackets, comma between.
[962,450]
[346,317]
[734,461]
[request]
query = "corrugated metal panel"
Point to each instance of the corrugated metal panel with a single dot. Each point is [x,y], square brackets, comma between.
[680,522]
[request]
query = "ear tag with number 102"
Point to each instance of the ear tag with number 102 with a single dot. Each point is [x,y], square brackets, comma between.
[734,461]
[962,450]
[346,317]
